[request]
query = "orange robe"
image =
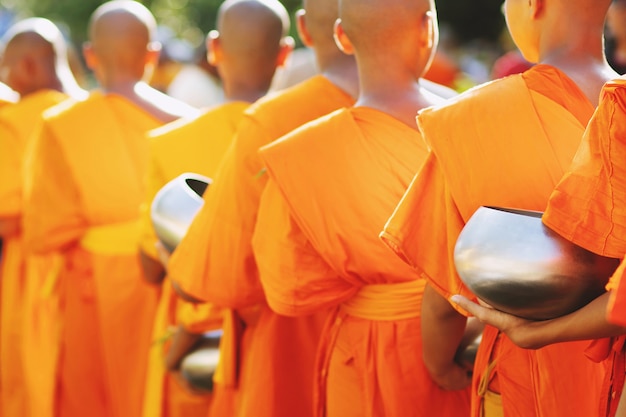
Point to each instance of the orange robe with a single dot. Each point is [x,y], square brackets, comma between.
[333,183]
[511,154]
[196,145]
[586,207]
[85,189]
[17,124]
[215,261]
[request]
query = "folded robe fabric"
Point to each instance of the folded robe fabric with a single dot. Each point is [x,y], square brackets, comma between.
[506,143]
[274,354]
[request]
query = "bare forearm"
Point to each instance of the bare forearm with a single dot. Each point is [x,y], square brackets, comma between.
[153,270]
[442,331]
[586,323]
[589,322]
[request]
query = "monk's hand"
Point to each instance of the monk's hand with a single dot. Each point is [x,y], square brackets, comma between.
[163,253]
[520,331]
[454,377]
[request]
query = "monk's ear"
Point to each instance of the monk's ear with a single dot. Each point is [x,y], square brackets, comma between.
[214,48]
[429,33]
[536,7]
[303,30]
[153,51]
[341,39]
[90,57]
[287,44]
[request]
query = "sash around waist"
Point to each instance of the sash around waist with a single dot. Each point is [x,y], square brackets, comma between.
[113,239]
[387,302]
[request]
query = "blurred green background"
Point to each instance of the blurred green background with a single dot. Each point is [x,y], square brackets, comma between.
[468,20]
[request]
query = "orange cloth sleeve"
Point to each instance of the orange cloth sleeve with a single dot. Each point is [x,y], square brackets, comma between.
[588,205]
[286,259]
[433,236]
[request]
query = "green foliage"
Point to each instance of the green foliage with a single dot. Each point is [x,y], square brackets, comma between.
[190,19]
[472,19]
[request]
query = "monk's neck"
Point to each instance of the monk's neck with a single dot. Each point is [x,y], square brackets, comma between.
[243,92]
[588,70]
[399,100]
[341,70]
[123,88]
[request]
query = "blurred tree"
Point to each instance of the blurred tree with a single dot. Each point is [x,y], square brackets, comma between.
[475,19]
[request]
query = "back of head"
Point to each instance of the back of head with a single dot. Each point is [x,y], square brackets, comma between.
[34,57]
[320,19]
[121,34]
[401,32]
[252,34]
[536,27]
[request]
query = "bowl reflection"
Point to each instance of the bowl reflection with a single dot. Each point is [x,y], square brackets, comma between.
[514,263]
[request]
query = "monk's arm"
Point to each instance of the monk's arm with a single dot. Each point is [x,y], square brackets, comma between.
[182,342]
[185,296]
[587,323]
[443,329]
[9,226]
[153,270]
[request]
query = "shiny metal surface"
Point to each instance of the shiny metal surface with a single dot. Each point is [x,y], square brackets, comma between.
[175,206]
[199,365]
[514,263]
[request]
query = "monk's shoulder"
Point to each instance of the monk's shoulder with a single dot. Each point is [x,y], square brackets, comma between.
[315,135]
[284,110]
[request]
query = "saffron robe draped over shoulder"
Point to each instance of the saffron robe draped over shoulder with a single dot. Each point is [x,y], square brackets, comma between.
[187,145]
[18,122]
[86,185]
[586,206]
[214,262]
[511,155]
[333,183]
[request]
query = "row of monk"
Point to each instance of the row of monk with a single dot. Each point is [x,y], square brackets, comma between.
[323,250]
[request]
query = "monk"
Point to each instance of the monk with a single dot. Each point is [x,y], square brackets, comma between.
[35,69]
[249,44]
[512,155]
[316,238]
[582,209]
[85,185]
[270,357]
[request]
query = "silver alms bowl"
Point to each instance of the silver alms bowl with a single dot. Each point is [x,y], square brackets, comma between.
[175,206]
[199,365]
[514,263]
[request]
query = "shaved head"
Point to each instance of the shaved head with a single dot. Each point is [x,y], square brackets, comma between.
[34,56]
[120,33]
[320,20]
[252,28]
[372,24]
[251,40]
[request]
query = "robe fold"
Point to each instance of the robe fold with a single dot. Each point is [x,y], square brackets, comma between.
[273,354]
[187,145]
[333,183]
[85,185]
[586,208]
[17,334]
[511,155]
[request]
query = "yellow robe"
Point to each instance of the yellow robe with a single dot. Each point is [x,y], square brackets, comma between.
[508,155]
[332,185]
[273,357]
[197,146]
[84,189]
[17,124]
